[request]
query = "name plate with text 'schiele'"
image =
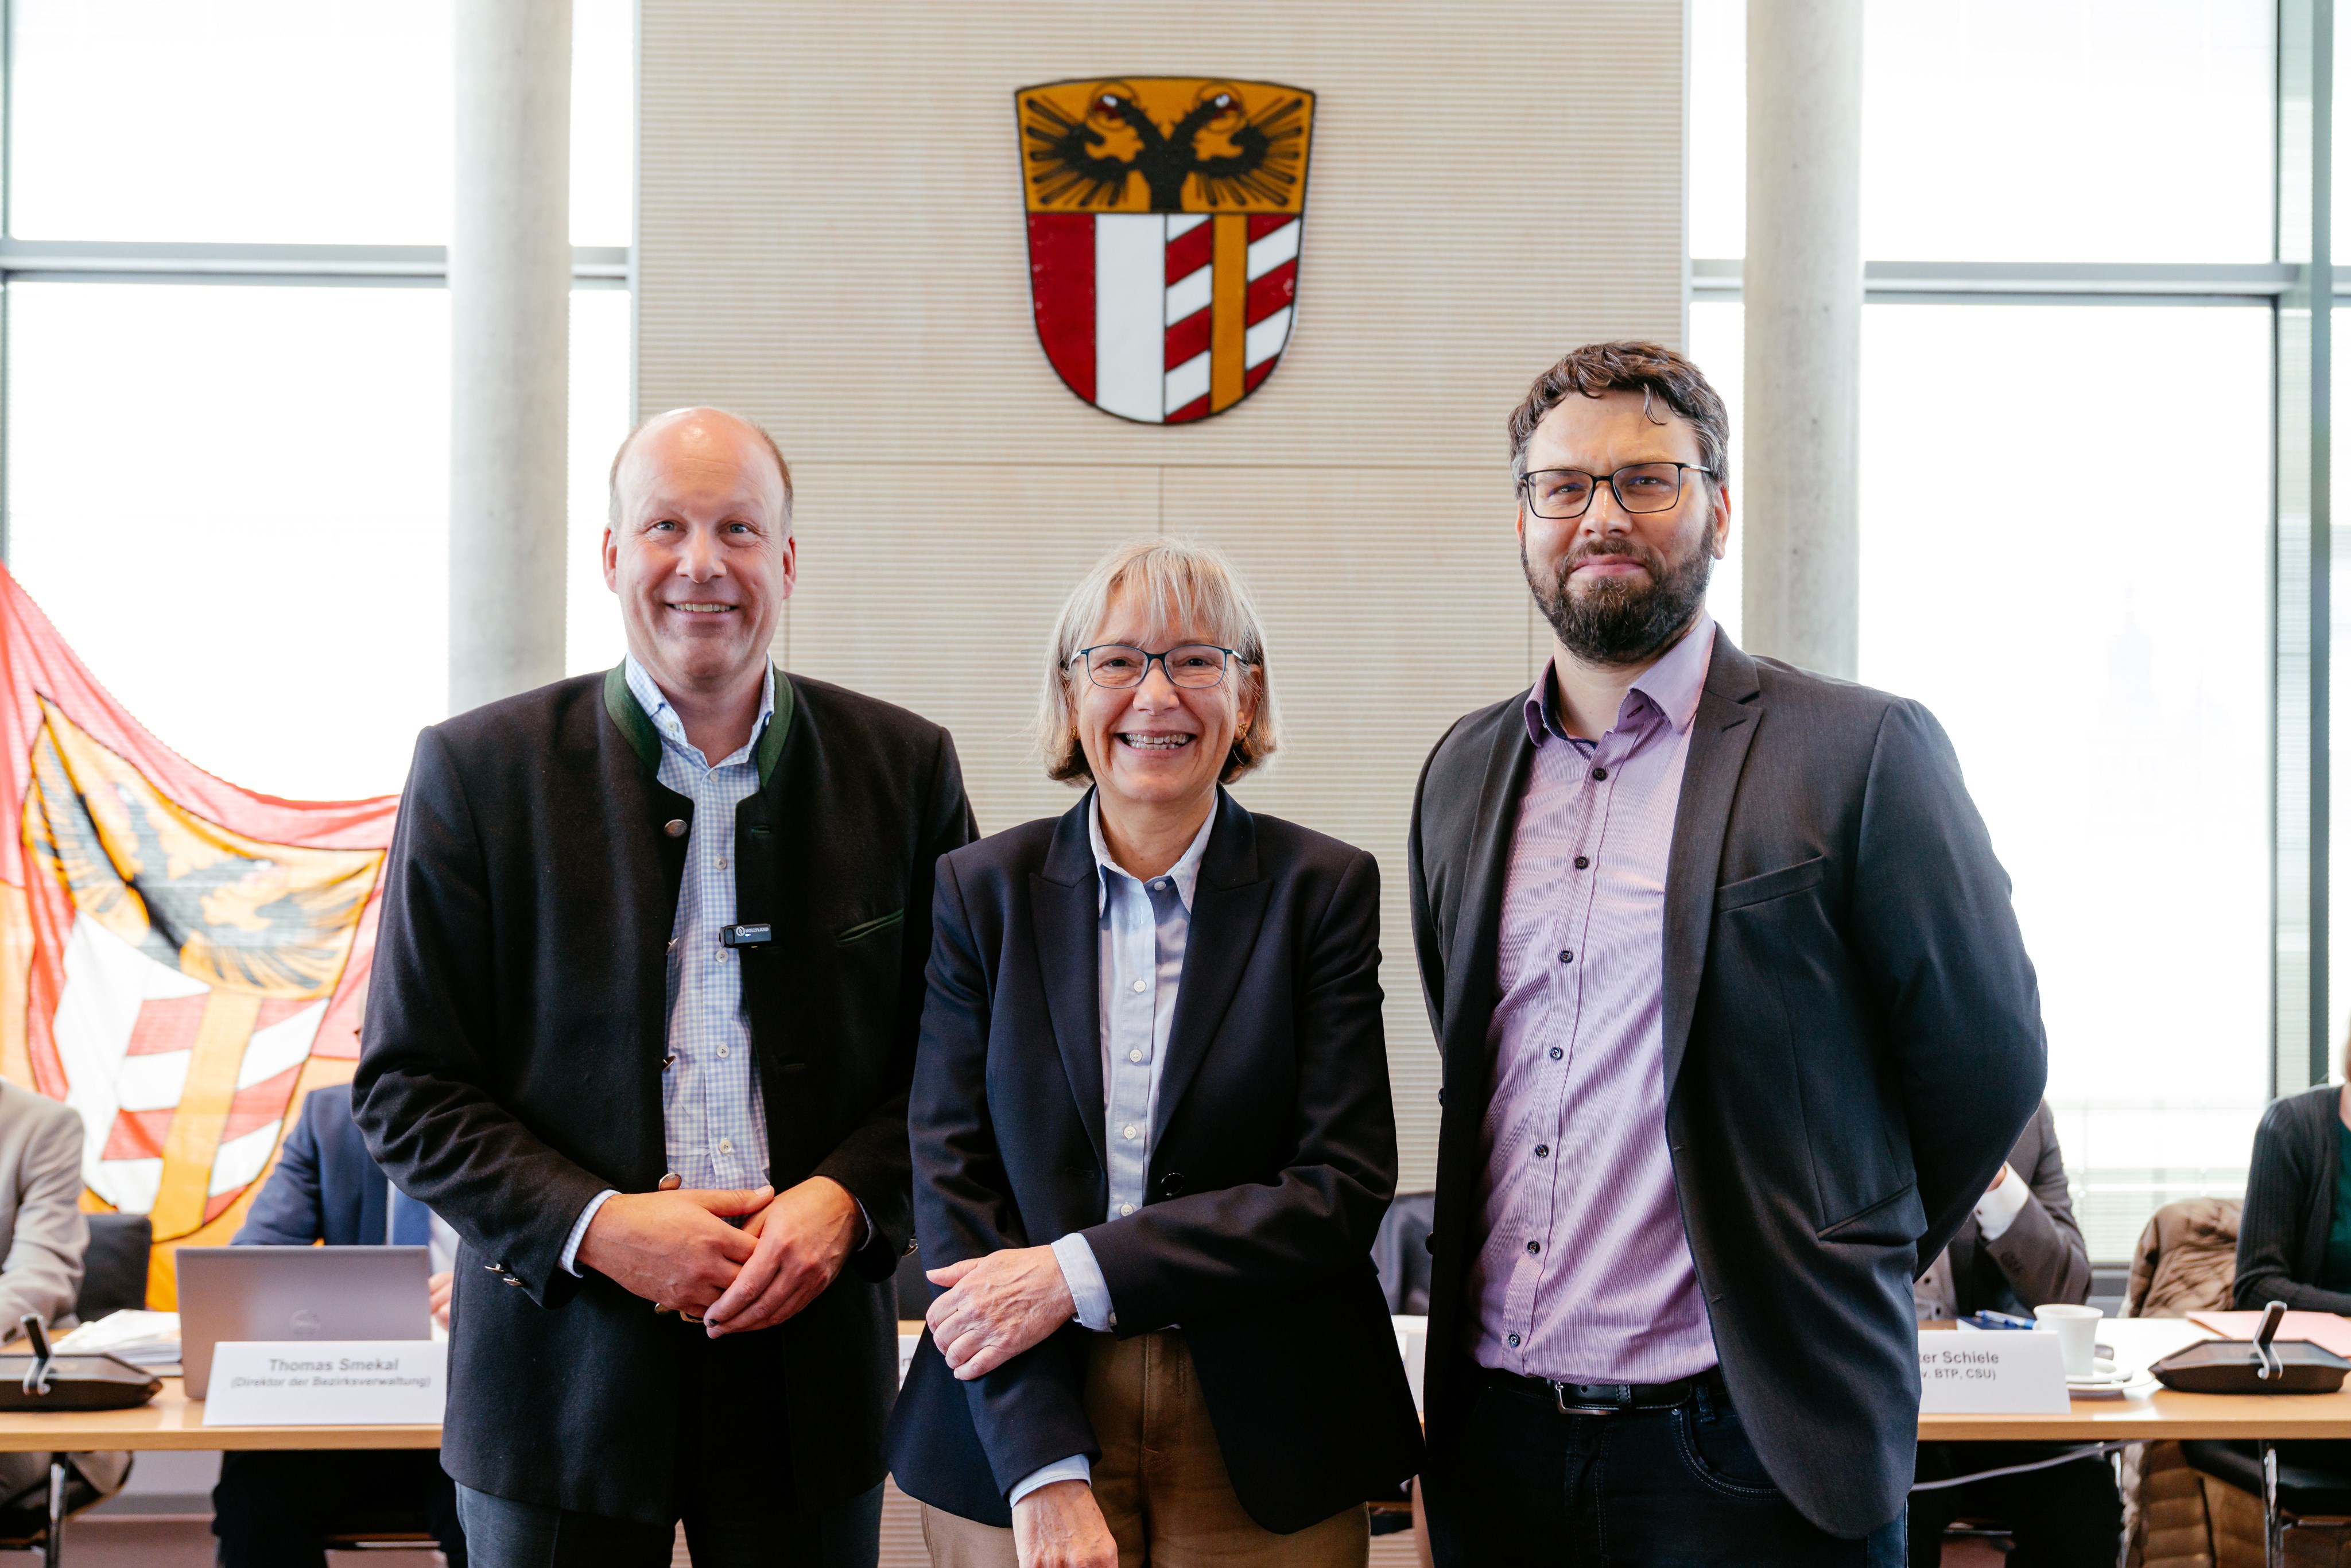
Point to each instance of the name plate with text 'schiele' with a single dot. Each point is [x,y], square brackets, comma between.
[2020,1372]
[328,1383]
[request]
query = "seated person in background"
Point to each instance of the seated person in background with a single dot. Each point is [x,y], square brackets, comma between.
[2020,1248]
[43,1235]
[2293,1243]
[274,1510]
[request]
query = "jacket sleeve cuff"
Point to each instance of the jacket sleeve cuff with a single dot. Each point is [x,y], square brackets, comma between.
[1087,1286]
[1073,1469]
[579,1231]
[1997,1209]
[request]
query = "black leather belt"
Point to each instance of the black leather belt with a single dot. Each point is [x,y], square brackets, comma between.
[1607,1398]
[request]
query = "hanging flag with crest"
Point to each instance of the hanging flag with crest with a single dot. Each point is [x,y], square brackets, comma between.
[180,960]
[1163,223]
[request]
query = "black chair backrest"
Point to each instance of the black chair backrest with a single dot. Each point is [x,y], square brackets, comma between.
[1400,1252]
[914,1290]
[114,1270]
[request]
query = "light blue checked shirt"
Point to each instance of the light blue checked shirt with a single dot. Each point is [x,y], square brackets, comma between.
[1144,927]
[715,1123]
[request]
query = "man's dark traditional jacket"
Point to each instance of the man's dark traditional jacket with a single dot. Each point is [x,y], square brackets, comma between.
[511,1066]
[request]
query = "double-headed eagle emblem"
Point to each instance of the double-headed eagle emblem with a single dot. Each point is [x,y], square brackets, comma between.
[1164,222]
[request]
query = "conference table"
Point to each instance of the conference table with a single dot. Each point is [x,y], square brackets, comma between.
[2147,1412]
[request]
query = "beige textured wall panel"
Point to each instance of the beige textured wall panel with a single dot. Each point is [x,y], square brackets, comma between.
[832,232]
[833,240]
[943,602]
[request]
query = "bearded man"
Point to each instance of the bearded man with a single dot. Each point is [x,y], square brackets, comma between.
[1737,1026]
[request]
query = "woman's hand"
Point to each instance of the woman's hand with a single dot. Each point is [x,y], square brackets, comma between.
[997,1307]
[1061,1525]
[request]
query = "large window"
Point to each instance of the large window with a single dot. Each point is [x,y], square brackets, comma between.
[2092,628]
[226,385]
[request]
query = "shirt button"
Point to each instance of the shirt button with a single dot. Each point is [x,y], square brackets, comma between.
[1159,887]
[1555,1053]
[1566,955]
[1126,1208]
[1534,1245]
[1138,987]
[726,1145]
[1514,1342]
[1600,773]
[1542,1151]
[1134,1056]
[722,1053]
[722,863]
[1582,863]
[1128,1130]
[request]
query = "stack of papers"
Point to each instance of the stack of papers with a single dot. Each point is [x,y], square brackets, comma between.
[148,1340]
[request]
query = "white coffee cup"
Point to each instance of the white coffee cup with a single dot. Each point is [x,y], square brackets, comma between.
[2076,1329]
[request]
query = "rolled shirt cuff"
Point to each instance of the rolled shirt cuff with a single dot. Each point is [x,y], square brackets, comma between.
[1073,1469]
[1087,1286]
[580,1232]
[1997,1209]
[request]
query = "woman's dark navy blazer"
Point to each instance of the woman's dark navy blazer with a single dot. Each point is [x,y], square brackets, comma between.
[1273,1157]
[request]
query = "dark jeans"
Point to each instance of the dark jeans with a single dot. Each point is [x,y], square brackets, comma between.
[276,1510]
[732,1487]
[2067,1516]
[1522,1484]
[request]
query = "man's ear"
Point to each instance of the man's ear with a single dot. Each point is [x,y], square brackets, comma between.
[611,555]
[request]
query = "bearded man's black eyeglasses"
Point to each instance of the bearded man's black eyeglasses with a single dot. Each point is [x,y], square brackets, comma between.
[1561,494]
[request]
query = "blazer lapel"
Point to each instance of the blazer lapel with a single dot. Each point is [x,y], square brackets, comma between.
[1470,965]
[1720,735]
[1065,914]
[1227,906]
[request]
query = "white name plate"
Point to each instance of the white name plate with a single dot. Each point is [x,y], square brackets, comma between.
[2017,1372]
[328,1383]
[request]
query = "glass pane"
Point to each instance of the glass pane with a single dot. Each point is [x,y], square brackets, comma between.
[251,547]
[599,418]
[2026,130]
[1717,130]
[2101,671]
[160,120]
[263,120]
[1718,344]
[603,124]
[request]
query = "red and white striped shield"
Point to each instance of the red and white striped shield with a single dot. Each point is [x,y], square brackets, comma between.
[1164,222]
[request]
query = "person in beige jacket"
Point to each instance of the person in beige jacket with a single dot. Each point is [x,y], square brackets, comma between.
[43,1238]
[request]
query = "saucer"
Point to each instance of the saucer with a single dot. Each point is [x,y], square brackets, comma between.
[2108,1381]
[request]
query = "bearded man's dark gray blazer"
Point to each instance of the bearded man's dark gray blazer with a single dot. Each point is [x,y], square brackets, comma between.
[511,1062]
[1852,1044]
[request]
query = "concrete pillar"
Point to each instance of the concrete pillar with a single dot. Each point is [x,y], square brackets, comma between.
[1800,561]
[509,361]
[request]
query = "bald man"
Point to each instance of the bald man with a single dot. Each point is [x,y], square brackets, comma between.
[641,1028]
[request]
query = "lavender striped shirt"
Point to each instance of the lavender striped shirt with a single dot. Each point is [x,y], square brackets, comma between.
[1585,1274]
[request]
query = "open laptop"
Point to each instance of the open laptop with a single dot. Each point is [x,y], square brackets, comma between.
[296,1292]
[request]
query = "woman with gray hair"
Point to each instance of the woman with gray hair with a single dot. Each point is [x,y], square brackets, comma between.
[1152,1133]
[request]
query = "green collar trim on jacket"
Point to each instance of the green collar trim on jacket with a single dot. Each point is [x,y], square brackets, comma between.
[637,726]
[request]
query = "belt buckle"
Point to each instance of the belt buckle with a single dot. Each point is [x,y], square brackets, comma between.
[1559,1397]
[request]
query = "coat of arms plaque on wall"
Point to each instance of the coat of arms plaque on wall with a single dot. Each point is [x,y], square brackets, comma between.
[1164,222]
